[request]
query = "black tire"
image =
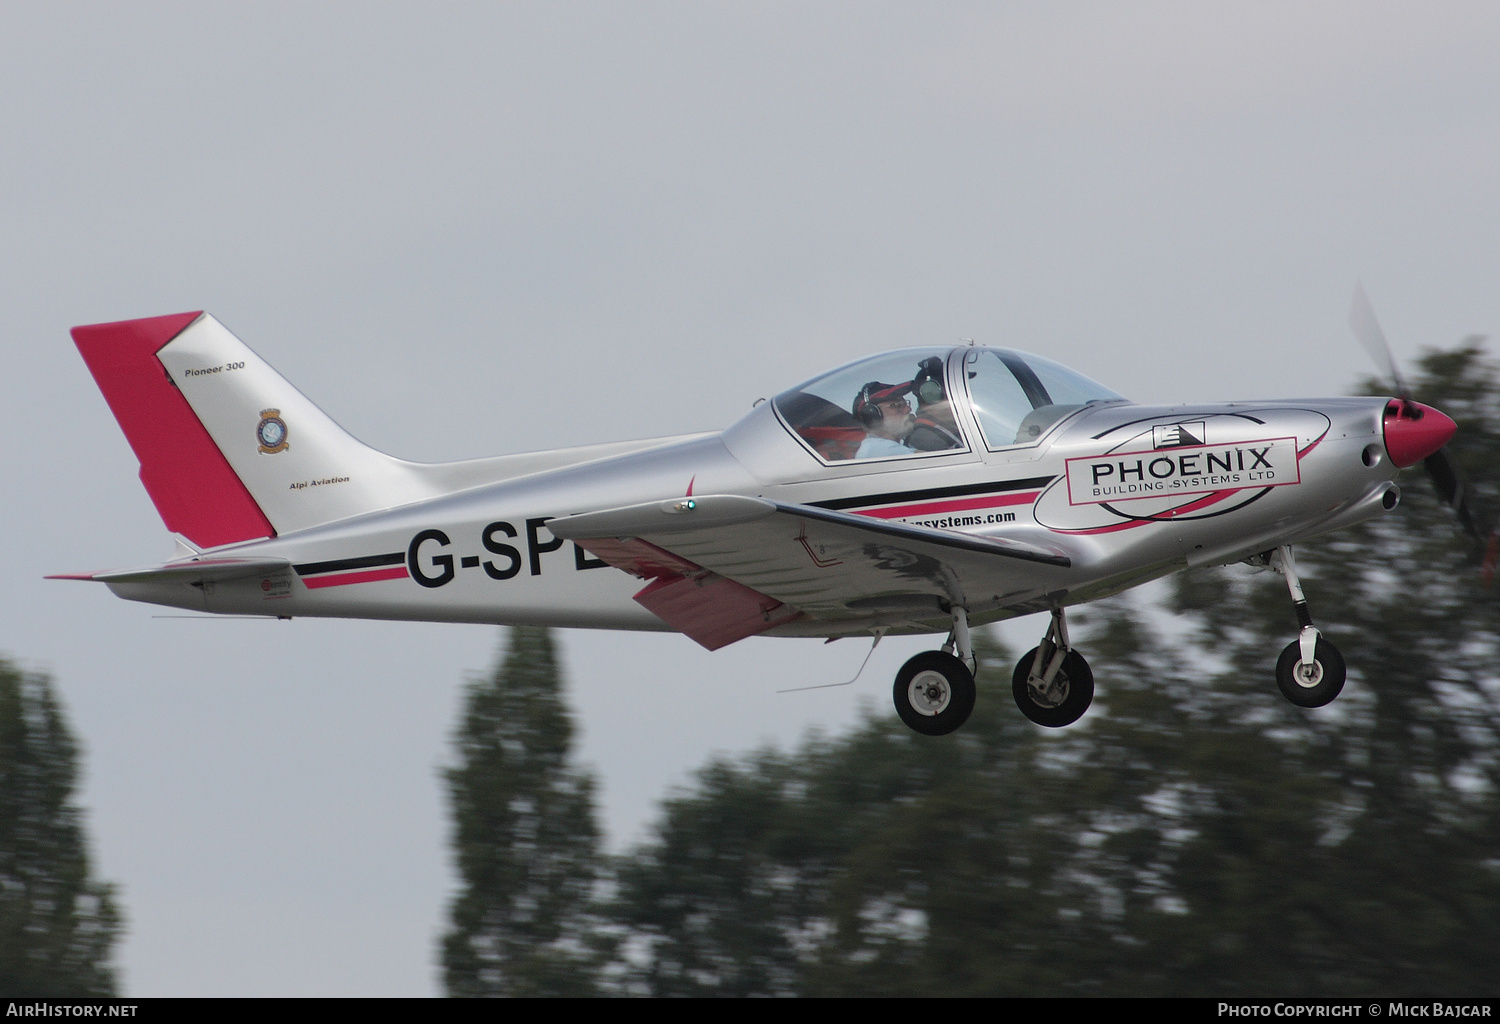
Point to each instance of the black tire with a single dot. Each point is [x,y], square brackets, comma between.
[1328,675]
[934,693]
[1076,680]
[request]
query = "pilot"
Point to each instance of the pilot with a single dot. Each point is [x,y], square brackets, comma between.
[886,415]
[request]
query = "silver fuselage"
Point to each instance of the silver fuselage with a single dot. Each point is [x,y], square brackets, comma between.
[1131,492]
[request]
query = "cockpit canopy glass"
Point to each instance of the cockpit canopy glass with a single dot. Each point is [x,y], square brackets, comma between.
[1017,396]
[897,405]
[891,405]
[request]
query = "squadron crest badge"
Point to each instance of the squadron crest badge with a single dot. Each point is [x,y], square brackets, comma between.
[272,432]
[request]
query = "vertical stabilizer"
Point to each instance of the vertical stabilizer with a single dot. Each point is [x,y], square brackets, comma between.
[193,487]
[301,466]
[229,450]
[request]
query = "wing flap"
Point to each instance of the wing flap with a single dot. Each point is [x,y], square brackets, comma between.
[713,610]
[707,607]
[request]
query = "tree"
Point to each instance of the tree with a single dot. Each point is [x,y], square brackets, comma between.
[879,863]
[57,926]
[1195,834]
[1413,745]
[525,837]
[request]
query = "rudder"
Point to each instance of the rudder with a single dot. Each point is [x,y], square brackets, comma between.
[196,492]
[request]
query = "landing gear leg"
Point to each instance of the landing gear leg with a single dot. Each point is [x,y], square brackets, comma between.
[1310,672]
[934,692]
[959,643]
[1052,684]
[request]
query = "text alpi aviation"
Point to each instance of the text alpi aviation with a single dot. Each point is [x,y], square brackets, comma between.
[918,491]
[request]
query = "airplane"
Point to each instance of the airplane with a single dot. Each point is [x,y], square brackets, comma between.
[916,491]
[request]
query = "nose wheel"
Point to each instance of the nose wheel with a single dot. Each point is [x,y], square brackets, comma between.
[1310,671]
[1314,683]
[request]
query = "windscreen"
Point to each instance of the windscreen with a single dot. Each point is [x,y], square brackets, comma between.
[894,405]
[1017,396]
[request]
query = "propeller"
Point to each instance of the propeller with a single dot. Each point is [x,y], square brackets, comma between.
[1367,329]
[1446,475]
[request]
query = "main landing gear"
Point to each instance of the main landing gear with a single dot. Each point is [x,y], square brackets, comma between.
[1052,685]
[934,692]
[1310,672]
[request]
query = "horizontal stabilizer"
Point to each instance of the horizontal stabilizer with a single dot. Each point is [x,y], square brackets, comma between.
[207,570]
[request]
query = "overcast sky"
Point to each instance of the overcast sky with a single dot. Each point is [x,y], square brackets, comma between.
[467,229]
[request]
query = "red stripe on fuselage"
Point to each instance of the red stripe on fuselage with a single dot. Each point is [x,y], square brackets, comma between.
[370,576]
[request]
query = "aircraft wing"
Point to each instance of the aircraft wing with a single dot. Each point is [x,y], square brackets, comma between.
[724,567]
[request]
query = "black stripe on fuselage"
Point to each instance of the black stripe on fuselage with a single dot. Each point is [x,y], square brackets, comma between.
[897,497]
[363,562]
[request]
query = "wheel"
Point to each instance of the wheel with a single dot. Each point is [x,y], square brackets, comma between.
[1072,691]
[1315,687]
[934,693]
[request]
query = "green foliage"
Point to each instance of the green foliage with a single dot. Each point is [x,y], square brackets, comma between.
[57,927]
[1195,834]
[524,836]
[1412,748]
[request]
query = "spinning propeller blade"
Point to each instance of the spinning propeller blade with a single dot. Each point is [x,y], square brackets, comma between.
[1444,471]
[1367,329]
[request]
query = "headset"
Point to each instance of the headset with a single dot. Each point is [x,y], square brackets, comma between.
[929,380]
[927,385]
[865,410]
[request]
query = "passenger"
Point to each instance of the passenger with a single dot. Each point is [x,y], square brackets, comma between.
[886,415]
[936,429]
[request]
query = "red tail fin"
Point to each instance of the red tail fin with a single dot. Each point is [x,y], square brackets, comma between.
[196,492]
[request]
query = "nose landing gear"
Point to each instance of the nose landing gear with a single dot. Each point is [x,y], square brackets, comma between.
[1310,672]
